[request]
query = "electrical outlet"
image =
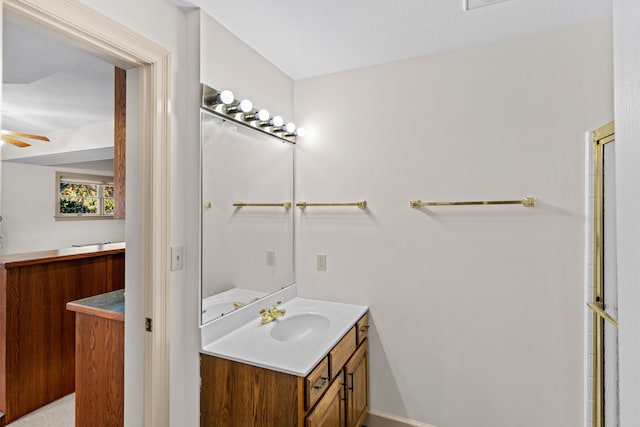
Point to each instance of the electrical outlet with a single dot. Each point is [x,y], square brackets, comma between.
[177,253]
[271,258]
[322,262]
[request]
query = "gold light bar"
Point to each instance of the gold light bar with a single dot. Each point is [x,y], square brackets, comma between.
[285,205]
[361,204]
[600,312]
[527,202]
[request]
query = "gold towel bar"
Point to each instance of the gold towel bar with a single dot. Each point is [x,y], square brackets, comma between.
[361,204]
[527,202]
[285,205]
[600,312]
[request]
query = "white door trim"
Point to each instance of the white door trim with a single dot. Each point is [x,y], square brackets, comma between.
[91,28]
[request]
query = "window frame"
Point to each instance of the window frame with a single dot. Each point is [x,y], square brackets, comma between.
[83,178]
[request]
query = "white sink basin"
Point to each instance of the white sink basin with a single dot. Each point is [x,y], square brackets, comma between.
[299,328]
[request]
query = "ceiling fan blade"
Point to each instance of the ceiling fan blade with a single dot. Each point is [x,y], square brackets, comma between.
[26,135]
[14,141]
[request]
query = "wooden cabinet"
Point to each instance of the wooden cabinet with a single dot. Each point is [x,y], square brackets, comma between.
[357,387]
[334,394]
[37,334]
[330,412]
[100,359]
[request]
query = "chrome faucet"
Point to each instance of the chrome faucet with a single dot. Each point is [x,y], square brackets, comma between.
[271,314]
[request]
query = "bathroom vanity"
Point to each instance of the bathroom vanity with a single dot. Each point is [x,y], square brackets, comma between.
[268,358]
[307,368]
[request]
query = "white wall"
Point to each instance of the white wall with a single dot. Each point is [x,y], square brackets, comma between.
[29,200]
[477,312]
[626,32]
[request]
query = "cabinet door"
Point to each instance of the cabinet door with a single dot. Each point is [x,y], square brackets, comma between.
[357,379]
[329,412]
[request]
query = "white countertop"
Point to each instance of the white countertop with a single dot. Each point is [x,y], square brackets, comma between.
[222,303]
[253,344]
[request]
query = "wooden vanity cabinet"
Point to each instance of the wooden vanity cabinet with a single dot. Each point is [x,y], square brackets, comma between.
[334,394]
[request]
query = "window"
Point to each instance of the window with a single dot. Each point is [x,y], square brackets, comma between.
[84,196]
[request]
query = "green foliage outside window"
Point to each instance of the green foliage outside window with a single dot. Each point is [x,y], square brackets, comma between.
[77,198]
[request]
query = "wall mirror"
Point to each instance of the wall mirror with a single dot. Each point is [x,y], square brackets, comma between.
[247,215]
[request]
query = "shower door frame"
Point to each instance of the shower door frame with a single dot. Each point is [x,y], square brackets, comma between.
[601,137]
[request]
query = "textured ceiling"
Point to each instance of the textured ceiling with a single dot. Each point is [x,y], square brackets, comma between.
[48,84]
[307,38]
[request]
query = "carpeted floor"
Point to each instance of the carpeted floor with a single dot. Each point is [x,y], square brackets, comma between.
[60,413]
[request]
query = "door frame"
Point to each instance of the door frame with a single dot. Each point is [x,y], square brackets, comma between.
[116,41]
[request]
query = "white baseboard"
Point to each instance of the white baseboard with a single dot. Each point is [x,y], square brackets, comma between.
[380,419]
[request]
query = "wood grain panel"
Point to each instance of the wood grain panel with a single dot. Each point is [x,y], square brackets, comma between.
[362,328]
[357,381]
[59,255]
[330,412]
[316,383]
[99,371]
[38,334]
[3,342]
[234,394]
[120,142]
[342,352]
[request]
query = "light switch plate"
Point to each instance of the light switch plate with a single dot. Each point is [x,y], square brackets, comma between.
[177,257]
[322,262]
[271,258]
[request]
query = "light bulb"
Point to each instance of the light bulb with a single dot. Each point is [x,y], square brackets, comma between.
[243,106]
[290,128]
[246,105]
[226,97]
[277,121]
[263,115]
[301,132]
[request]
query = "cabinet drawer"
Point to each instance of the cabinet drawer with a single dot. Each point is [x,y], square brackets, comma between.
[330,410]
[316,383]
[342,352]
[362,328]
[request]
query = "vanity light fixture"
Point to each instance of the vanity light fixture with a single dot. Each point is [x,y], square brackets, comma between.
[224,105]
[243,106]
[301,132]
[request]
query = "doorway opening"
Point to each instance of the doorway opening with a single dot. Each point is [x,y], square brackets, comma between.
[147,282]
